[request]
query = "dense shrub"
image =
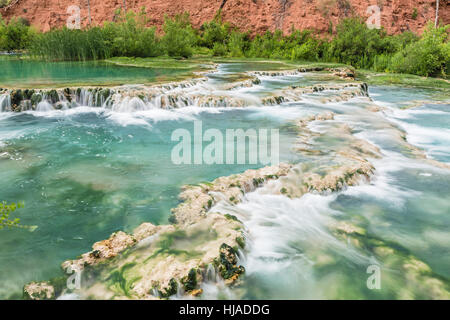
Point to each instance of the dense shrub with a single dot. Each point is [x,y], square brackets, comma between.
[428,56]
[358,45]
[179,36]
[15,35]
[238,43]
[214,32]
[306,51]
[130,37]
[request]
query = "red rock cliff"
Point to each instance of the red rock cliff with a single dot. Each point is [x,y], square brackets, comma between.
[256,15]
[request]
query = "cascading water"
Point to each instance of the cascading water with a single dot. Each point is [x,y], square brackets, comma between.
[5,102]
[44,106]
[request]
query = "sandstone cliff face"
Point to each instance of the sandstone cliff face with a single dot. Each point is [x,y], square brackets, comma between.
[255,15]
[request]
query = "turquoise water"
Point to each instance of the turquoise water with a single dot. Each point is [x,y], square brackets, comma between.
[84,173]
[30,74]
[405,207]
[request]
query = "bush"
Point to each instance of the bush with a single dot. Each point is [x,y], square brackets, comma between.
[130,37]
[414,14]
[268,45]
[214,32]
[358,45]
[15,35]
[219,49]
[179,37]
[238,44]
[307,51]
[428,56]
[381,63]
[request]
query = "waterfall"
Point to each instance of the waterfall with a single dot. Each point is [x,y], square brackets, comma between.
[197,93]
[5,102]
[44,106]
[130,104]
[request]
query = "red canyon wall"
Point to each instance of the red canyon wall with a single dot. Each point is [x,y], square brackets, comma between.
[256,15]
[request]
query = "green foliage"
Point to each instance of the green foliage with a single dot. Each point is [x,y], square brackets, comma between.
[190,281]
[306,51]
[414,14]
[15,35]
[427,57]
[219,49]
[358,45]
[238,43]
[66,44]
[214,32]
[129,36]
[268,45]
[5,211]
[403,39]
[179,36]
[381,63]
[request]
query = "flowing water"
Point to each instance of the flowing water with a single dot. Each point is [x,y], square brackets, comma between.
[84,172]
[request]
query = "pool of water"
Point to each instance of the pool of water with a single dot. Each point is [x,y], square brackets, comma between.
[24,73]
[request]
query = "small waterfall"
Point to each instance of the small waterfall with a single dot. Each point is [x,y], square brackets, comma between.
[130,104]
[5,102]
[214,286]
[44,106]
[211,274]
[154,292]
[195,93]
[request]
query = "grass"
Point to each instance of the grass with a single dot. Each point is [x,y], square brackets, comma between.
[202,62]
[378,78]
[161,62]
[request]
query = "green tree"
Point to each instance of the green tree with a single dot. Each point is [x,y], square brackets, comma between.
[238,43]
[130,37]
[358,45]
[214,32]
[15,35]
[426,57]
[179,36]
